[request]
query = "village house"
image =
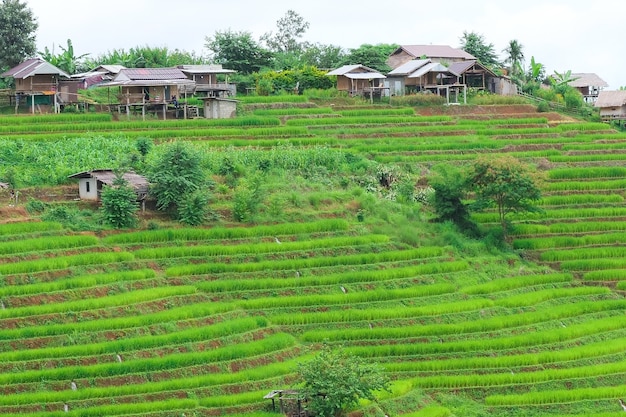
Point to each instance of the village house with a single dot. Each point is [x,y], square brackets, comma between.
[421,75]
[358,80]
[443,54]
[91,183]
[612,104]
[151,89]
[421,68]
[207,79]
[98,75]
[40,84]
[588,84]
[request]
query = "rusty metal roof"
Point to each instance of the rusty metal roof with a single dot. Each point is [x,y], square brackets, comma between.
[435,51]
[33,66]
[107,176]
[151,74]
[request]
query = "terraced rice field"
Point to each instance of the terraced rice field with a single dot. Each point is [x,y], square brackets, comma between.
[206,321]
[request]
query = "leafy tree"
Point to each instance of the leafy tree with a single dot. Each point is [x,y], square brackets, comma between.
[514,57]
[146,57]
[119,204]
[323,56]
[17,33]
[194,208]
[373,56]
[306,77]
[248,198]
[238,51]
[290,29]
[560,81]
[450,185]
[505,183]
[475,44]
[335,381]
[144,145]
[174,175]
[66,60]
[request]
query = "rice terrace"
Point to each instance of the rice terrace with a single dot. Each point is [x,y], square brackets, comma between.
[320,233]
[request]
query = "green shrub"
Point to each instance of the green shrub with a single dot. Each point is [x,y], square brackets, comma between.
[194,209]
[34,206]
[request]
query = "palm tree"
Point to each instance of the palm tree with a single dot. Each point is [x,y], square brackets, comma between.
[514,57]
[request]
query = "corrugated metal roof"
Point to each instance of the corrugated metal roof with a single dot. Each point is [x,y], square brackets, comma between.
[135,74]
[435,51]
[432,67]
[615,98]
[364,75]
[190,85]
[107,176]
[353,68]
[34,66]
[205,69]
[584,79]
[409,67]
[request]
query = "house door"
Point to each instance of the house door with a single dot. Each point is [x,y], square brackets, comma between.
[397,88]
[168,96]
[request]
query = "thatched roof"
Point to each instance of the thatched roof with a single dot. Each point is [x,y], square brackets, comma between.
[615,98]
[587,79]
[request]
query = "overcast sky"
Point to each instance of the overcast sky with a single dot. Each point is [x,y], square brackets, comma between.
[577,35]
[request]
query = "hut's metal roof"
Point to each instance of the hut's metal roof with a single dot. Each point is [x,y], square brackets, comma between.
[107,176]
[150,74]
[435,51]
[460,67]
[615,98]
[432,67]
[364,75]
[205,69]
[409,67]
[32,67]
[351,69]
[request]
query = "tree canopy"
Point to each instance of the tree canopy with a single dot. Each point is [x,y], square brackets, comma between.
[238,51]
[17,33]
[66,60]
[290,29]
[475,44]
[174,175]
[514,57]
[335,381]
[373,56]
[505,183]
[119,204]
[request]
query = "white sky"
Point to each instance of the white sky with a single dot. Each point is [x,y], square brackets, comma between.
[577,35]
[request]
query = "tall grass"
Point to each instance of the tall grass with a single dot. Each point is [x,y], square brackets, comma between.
[195,234]
[61,262]
[303,263]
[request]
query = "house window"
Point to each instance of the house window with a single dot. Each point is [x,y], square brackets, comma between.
[87,186]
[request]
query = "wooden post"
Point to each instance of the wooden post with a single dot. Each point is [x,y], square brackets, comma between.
[127,104]
[143,107]
[164,105]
